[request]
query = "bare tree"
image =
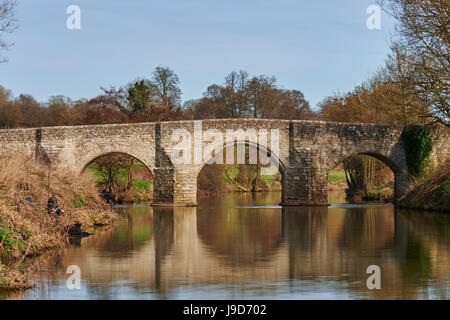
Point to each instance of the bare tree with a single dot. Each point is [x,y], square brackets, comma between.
[424,34]
[33,114]
[166,83]
[261,93]
[9,110]
[7,22]
[234,93]
[398,90]
[255,97]
[292,105]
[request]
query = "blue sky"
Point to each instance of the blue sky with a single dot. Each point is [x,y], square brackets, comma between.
[318,47]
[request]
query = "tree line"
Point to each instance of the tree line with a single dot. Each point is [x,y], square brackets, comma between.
[412,87]
[159,99]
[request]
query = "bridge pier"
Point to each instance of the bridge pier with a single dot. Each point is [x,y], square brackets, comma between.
[403,185]
[175,187]
[185,188]
[163,186]
[304,186]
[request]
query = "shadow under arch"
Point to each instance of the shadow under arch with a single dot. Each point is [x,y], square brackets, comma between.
[100,155]
[395,168]
[259,148]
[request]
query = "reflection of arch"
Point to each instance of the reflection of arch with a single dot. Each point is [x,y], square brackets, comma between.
[130,236]
[240,236]
[92,159]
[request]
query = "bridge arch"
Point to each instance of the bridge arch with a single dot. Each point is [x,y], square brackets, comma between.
[119,173]
[91,159]
[395,162]
[391,163]
[258,147]
[274,158]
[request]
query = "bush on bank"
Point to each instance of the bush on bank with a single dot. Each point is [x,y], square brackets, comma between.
[26,229]
[431,192]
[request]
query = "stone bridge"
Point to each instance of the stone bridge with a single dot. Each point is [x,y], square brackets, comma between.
[175,152]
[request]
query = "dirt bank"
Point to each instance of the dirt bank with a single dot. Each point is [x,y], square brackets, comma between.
[26,228]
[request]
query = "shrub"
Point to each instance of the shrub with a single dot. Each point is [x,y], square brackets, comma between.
[418,148]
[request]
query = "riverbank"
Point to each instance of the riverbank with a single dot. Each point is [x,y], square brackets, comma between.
[123,185]
[431,193]
[337,183]
[26,229]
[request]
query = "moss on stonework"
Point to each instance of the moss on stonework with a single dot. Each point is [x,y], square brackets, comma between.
[418,148]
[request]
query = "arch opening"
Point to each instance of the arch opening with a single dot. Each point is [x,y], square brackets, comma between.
[121,177]
[255,169]
[362,177]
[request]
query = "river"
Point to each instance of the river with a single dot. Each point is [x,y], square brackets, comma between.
[245,246]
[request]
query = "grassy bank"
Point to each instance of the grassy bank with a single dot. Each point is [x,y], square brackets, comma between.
[218,179]
[26,229]
[140,190]
[431,192]
[337,182]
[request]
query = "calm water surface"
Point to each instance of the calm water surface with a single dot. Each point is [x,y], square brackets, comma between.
[244,246]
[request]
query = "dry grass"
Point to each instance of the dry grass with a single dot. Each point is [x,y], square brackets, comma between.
[431,192]
[25,227]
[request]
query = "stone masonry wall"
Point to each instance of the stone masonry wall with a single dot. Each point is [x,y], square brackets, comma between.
[319,146]
[306,151]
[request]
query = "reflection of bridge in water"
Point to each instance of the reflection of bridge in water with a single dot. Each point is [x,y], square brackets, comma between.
[165,248]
